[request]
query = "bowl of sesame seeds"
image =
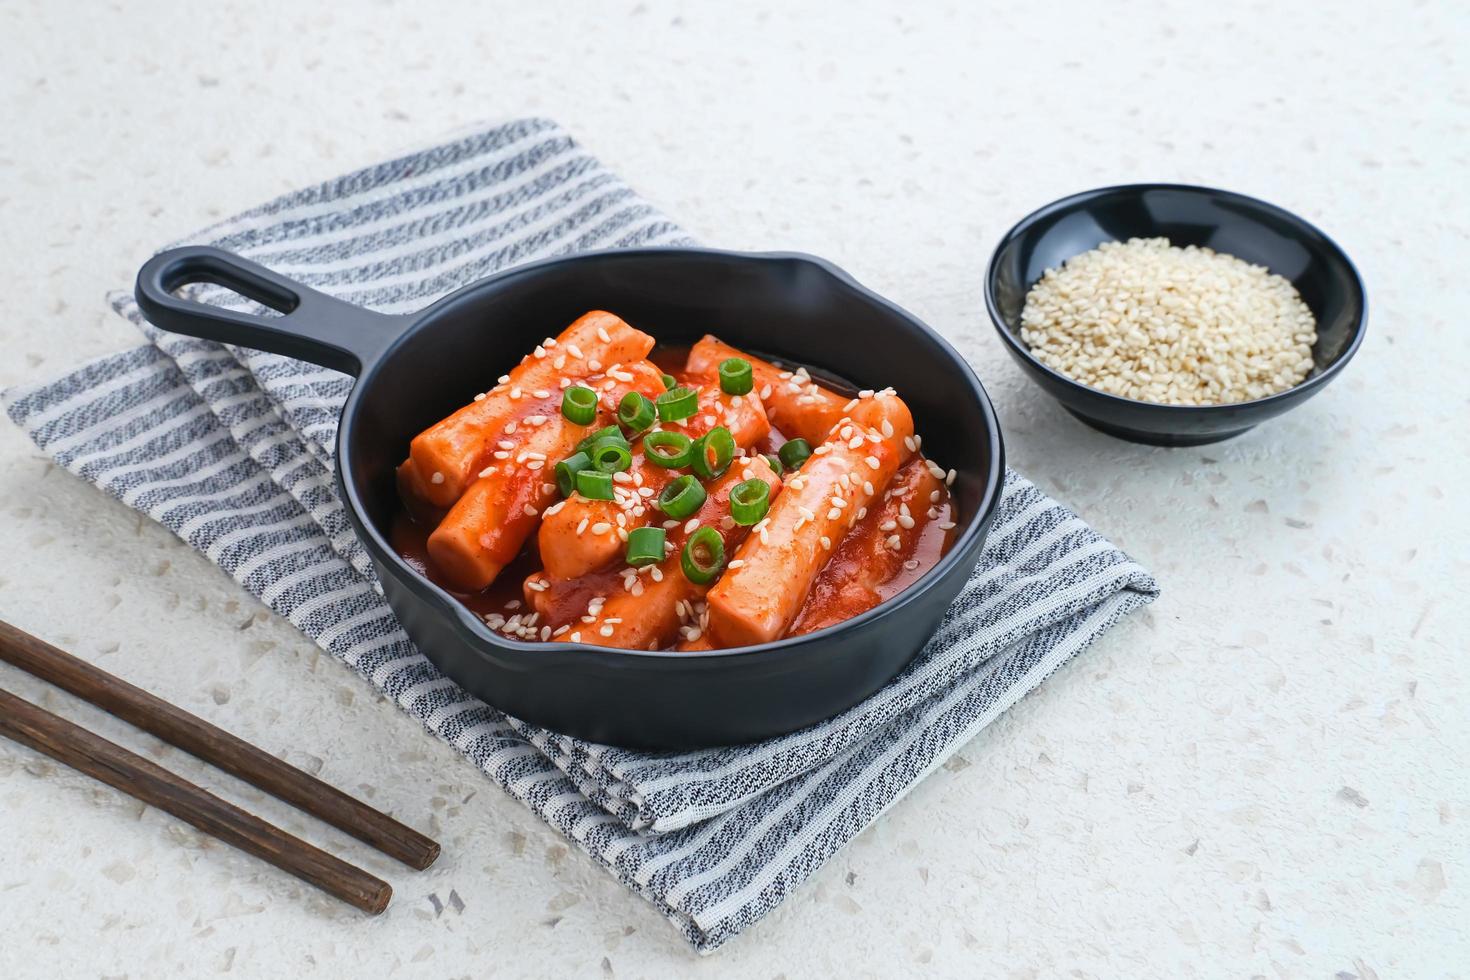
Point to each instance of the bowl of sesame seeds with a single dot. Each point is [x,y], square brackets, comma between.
[1171,314]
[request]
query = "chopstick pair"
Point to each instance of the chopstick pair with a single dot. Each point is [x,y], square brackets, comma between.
[101,759]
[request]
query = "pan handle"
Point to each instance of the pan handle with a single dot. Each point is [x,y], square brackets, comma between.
[313,326]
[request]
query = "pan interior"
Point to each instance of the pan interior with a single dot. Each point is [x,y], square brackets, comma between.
[788,307]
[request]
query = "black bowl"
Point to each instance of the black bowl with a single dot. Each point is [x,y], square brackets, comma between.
[1226,222]
[413,370]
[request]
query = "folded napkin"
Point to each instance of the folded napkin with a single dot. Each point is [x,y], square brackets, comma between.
[231,449]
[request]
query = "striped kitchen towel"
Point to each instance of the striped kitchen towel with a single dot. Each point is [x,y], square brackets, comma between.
[231,449]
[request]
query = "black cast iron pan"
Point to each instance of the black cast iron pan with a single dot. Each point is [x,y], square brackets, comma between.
[413,370]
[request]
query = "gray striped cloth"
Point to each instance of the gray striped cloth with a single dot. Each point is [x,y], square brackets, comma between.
[231,449]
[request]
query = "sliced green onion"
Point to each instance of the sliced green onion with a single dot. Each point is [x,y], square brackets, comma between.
[567,470]
[736,376]
[595,485]
[703,557]
[713,452]
[668,449]
[669,381]
[645,546]
[774,462]
[681,497]
[749,501]
[606,432]
[579,405]
[611,457]
[636,412]
[794,453]
[677,403]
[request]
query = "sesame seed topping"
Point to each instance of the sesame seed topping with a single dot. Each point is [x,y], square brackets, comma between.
[437,478]
[530,511]
[826,542]
[575,351]
[873,463]
[736,563]
[582,525]
[480,397]
[601,527]
[946,526]
[911,564]
[486,472]
[602,335]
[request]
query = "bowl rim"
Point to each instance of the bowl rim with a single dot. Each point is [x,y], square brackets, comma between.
[558,654]
[1019,347]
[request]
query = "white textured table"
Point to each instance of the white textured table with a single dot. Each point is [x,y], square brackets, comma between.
[1265,773]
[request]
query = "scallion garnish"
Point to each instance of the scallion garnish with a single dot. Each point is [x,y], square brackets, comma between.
[595,485]
[668,449]
[567,470]
[703,556]
[579,405]
[749,501]
[636,412]
[736,376]
[794,453]
[677,403]
[645,546]
[682,497]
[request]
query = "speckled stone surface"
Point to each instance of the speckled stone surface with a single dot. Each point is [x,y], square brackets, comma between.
[1263,774]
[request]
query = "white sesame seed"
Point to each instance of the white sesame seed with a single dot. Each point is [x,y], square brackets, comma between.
[582,525]
[894,542]
[602,335]
[946,526]
[437,478]
[736,563]
[826,542]
[486,472]
[601,527]
[873,463]
[530,511]
[905,521]
[480,397]
[575,351]
[576,637]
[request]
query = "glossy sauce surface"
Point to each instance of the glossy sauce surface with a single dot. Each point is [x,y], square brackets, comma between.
[845,588]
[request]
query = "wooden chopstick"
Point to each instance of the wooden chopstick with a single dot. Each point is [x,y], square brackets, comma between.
[139,778]
[216,746]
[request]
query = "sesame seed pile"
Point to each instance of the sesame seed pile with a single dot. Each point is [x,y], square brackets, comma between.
[1146,320]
